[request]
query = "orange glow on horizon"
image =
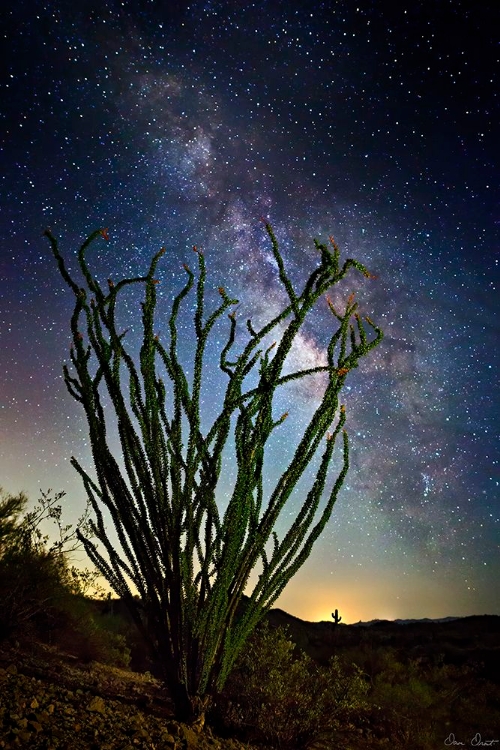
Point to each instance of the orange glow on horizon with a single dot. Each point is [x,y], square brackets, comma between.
[383,595]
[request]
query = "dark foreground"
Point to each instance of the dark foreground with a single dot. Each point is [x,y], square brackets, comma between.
[423,685]
[49,699]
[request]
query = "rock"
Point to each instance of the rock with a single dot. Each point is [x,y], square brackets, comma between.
[97,704]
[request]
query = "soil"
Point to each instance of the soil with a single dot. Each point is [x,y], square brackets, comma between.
[48,699]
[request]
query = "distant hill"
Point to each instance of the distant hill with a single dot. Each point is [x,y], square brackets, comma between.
[406,622]
[457,640]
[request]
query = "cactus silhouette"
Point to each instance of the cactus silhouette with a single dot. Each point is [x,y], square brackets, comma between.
[161,485]
[336,617]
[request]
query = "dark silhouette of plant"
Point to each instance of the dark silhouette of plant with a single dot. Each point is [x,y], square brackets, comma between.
[38,586]
[336,617]
[189,566]
[33,577]
[11,509]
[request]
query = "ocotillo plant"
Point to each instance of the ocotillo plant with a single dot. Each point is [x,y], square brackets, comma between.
[189,565]
[336,617]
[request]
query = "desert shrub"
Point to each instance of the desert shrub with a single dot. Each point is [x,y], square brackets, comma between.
[11,508]
[417,702]
[41,601]
[84,633]
[34,579]
[404,711]
[281,697]
[41,594]
[97,644]
[278,696]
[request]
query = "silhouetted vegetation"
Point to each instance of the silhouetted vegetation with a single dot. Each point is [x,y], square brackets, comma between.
[336,617]
[279,696]
[366,695]
[190,564]
[42,596]
[64,680]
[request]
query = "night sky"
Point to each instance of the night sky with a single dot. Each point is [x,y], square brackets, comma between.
[174,124]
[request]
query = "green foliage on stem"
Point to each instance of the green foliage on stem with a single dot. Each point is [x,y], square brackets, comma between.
[189,565]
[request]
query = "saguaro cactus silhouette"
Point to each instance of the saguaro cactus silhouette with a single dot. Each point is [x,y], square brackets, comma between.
[190,566]
[336,617]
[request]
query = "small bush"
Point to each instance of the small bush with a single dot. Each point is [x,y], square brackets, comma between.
[418,702]
[283,698]
[41,596]
[34,579]
[81,631]
[34,583]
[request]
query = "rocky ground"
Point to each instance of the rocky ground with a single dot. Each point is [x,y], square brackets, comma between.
[49,700]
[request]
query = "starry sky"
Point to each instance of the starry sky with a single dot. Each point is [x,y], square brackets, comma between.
[174,124]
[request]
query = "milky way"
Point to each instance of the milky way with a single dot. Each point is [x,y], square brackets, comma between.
[372,124]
